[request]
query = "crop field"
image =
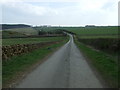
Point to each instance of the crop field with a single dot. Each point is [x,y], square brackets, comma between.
[30,40]
[9,34]
[26,31]
[95,32]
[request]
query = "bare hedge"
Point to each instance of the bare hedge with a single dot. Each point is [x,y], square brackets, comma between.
[109,45]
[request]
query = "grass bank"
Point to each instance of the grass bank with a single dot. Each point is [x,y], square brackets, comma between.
[106,66]
[21,63]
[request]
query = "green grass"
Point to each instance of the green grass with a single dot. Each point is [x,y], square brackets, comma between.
[26,31]
[106,65]
[30,40]
[20,63]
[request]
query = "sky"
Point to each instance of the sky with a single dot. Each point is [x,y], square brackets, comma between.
[59,12]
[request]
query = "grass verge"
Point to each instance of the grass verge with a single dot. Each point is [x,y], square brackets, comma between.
[106,66]
[19,63]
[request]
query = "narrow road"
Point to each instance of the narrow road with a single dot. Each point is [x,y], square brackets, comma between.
[66,68]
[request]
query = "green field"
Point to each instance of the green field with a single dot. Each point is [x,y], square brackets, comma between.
[26,31]
[30,40]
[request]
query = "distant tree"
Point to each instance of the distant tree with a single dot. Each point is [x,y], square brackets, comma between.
[41,32]
[10,26]
[90,26]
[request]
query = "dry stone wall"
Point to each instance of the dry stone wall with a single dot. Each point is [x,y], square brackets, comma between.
[12,50]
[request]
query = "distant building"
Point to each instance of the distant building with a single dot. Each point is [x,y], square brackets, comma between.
[90,26]
[46,25]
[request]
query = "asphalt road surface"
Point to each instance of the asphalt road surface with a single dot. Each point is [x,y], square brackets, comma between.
[66,68]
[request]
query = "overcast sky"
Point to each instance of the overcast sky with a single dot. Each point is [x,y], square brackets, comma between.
[60,12]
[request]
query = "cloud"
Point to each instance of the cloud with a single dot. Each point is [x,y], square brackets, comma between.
[57,12]
[28,8]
